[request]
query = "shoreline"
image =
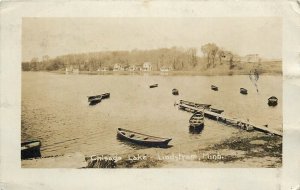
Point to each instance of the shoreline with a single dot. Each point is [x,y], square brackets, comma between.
[243,149]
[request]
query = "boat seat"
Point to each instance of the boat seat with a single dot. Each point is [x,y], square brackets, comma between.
[132,135]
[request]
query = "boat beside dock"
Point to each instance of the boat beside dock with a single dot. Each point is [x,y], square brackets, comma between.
[239,123]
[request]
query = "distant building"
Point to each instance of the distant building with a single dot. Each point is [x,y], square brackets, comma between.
[147,66]
[132,68]
[138,67]
[117,67]
[72,70]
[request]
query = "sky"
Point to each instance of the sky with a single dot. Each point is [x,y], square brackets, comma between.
[59,36]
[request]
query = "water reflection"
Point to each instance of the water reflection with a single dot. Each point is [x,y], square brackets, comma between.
[196,130]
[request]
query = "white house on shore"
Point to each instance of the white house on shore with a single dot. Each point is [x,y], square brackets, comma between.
[132,68]
[147,66]
[117,67]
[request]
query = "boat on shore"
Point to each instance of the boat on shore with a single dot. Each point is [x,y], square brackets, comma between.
[213,87]
[197,120]
[30,149]
[272,101]
[175,92]
[243,91]
[153,86]
[142,139]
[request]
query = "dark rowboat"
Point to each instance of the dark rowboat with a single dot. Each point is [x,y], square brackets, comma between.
[142,139]
[243,91]
[213,87]
[216,110]
[30,149]
[197,120]
[153,85]
[175,92]
[97,97]
[272,101]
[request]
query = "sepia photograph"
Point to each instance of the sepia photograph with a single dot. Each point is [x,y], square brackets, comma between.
[151,92]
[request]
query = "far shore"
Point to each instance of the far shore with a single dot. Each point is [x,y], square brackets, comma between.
[169,73]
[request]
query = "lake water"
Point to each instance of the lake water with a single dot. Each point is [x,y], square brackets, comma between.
[55,109]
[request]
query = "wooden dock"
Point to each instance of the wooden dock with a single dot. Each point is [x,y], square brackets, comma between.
[239,123]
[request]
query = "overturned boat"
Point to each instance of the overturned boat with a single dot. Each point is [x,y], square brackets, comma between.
[142,139]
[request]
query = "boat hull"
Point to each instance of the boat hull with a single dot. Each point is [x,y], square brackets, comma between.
[196,121]
[175,92]
[161,143]
[30,149]
[153,86]
[243,91]
[272,101]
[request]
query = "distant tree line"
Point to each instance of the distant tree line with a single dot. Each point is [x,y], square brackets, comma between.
[175,58]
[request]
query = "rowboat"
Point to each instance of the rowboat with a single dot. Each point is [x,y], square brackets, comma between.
[153,85]
[30,149]
[216,110]
[193,104]
[197,120]
[97,98]
[272,101]
[175,92]
[142,139]
[243,91]
[213,87]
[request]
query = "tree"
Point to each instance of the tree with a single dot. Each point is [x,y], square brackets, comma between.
[210,50]
[33,64]
[221,55]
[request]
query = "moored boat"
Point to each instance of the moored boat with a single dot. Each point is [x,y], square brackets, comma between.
[272,101]
[30,149]
[142,139]
[153,85]
[216,110]
[197,120]
[243,91]
[175,92]
[193,104]
[97,98]
[213,87]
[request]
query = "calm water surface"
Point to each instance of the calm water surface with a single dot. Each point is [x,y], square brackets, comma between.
[55,109]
